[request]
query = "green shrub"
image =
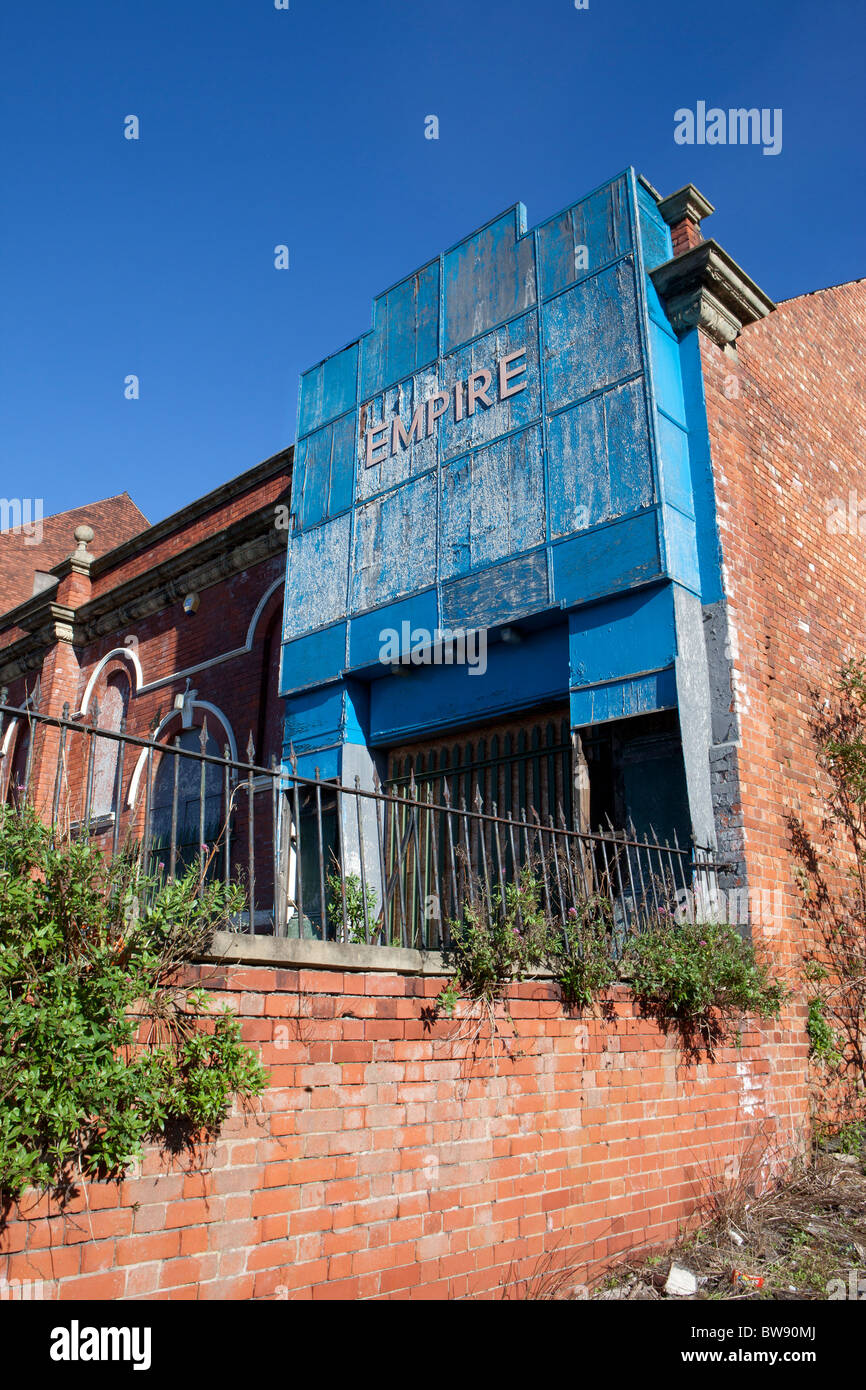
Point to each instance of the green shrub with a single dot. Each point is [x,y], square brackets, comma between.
[823,1041]
[100,1047]
[702,976]
[355,925]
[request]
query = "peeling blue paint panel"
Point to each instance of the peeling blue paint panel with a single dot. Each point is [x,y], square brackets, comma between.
[440,697]
[314,729]
[400,401]
[674,449]
[592,336]
[655,234]
[314,659]
[490,422]
[681,548]
[328,390]
[600,465]
[667,376]
[623,699]
[500,258]
[628,449]
[395,544]
[368,630]
[630,634]
[493,504]
[405,332]
[498,595]
[619,556]
[324,472]
[701,470]
[318,571]
[578,469]
[584,238]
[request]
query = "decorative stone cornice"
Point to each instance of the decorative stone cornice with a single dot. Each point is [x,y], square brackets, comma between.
[704,288]
[46,624]
[687,202]
[248,542]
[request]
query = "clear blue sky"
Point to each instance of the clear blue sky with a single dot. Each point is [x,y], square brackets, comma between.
[306,127]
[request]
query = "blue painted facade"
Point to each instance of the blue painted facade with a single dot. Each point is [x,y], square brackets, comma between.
[572,509]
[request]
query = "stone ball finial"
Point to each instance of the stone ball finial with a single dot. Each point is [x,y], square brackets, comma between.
[84,535]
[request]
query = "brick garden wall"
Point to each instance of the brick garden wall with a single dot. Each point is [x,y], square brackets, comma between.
[385,1162]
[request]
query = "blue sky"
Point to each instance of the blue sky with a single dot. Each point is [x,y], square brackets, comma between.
[306,127]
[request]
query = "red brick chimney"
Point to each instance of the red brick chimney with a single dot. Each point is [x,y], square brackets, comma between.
[684,211]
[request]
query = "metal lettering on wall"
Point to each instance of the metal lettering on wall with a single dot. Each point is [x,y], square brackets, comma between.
[383,441]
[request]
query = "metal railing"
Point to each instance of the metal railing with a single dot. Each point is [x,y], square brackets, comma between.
[320,860]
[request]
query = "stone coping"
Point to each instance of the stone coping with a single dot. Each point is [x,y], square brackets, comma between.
[287,952]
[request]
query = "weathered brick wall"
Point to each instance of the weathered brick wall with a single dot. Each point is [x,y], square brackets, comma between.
[387,1162]
[787,422]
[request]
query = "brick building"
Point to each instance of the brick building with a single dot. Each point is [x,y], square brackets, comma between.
[651,511]
[160,629]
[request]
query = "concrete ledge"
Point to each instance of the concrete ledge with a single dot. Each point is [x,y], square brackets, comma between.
[292,953]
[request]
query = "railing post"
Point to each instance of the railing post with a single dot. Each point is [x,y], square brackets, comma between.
[59,772]
[251,830]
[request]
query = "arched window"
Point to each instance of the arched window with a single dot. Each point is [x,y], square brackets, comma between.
[113,707]
[14,769]
[178,784]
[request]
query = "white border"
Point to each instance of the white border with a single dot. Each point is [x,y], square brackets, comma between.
[154,738]
[129,654]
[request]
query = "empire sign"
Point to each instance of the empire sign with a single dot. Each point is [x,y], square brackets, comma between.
[479,388]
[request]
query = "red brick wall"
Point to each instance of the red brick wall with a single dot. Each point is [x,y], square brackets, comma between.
[787,422]
[114,520]
[264,491]
[385,1163]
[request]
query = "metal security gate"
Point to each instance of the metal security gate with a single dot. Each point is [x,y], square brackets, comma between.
[518,769]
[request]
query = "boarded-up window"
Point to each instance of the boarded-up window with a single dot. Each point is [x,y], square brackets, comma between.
[112,711]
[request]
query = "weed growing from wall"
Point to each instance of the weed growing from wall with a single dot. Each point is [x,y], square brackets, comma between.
[701,978]
[831,873]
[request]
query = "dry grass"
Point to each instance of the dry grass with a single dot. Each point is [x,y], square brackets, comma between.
[796,1236]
